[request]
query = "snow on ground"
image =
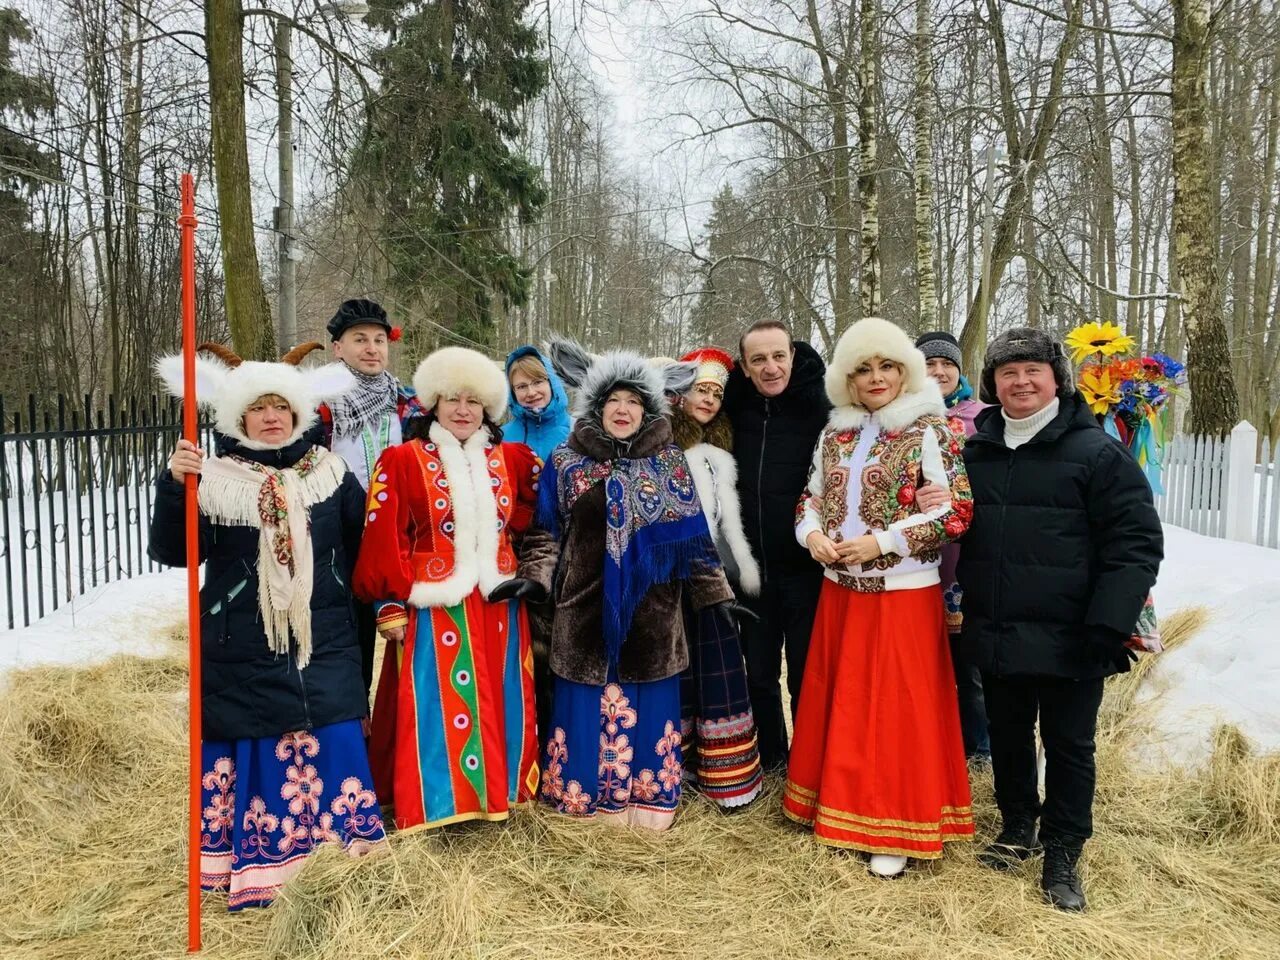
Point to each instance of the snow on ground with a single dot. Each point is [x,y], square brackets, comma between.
[128,616]
[1229,672]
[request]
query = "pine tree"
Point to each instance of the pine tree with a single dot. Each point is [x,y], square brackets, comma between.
[731,297]
[23,166]
[437,161]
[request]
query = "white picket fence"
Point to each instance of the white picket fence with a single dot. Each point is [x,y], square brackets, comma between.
[1223,488]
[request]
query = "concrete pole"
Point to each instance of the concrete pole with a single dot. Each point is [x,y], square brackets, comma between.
[287,278]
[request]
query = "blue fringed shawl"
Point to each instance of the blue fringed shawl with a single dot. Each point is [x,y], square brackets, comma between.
[656,532]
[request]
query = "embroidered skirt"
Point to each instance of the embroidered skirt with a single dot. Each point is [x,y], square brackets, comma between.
[721,754]
[614,750]
[877,762]
[270,802]
[453,719]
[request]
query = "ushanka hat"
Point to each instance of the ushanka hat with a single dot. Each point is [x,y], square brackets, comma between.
[1025,345]
[352,313]
[940,344]
[594,378]
[227,384]
[452,370]
[714,365]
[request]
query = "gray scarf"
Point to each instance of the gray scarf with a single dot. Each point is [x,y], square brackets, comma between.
[372,397]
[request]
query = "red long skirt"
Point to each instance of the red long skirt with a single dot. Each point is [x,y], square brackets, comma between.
[877,761]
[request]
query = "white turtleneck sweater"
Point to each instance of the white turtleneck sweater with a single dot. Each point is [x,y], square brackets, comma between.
[1018,432]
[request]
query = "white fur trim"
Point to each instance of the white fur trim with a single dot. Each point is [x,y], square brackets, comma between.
[873,337]
[898,414]
[475,521]
[453,369]
[228,391]
[715,475]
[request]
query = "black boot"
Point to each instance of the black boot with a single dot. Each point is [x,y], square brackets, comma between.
[1061,882]
[1017,842]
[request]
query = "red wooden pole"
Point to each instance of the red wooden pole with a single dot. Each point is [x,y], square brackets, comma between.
[187,221]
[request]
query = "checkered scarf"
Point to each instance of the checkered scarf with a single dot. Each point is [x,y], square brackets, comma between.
[373,396]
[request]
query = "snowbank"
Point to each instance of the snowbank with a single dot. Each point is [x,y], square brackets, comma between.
[1230,671]
[128,616]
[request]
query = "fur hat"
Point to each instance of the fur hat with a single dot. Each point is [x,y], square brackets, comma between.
[226,384]
[1025,345]
[940,344]
[714,365]
[595,378]
[451,369]
[873,337]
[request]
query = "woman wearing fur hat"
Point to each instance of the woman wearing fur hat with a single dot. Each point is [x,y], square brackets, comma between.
[877,762]
[618,497]
[453,721]
[721,752]
[282,701]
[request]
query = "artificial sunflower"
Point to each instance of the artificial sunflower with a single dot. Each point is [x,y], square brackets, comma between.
[1099,390]
[1100,338]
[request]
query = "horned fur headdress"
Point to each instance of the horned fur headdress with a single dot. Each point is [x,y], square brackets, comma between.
[227,385]
[595,377]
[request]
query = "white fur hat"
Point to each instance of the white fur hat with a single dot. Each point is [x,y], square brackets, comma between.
[452,369]
[228,385]
[873,337]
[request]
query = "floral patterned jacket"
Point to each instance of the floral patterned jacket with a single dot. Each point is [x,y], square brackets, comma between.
[866,468]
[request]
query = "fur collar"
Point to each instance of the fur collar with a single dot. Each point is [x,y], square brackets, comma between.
[715,475]
[898,414]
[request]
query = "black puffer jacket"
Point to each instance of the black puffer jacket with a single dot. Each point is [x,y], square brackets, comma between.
[1062,552]
[773,441]
[246,690]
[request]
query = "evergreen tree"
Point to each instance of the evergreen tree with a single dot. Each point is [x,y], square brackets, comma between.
[732,297]
[20,263]
[437,162]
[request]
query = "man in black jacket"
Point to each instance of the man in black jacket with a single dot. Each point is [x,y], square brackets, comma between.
[1062,552]
[777,405]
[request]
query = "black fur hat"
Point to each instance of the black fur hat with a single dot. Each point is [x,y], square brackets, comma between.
[1026,345]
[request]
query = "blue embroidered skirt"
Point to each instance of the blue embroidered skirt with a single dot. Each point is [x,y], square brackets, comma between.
[614,750]
[270,802]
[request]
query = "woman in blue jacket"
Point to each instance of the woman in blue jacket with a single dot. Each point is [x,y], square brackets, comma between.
[539,404]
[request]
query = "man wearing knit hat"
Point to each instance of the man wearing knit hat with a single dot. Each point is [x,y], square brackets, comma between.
[943,361]
[372,417]
[1064,547]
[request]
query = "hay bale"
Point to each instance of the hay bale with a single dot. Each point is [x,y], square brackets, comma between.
[92,808]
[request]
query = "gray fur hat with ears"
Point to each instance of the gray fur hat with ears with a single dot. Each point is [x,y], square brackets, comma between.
[595,377]
[1026,345]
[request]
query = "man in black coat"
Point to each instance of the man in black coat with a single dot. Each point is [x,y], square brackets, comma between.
[1064,547]
[777,405]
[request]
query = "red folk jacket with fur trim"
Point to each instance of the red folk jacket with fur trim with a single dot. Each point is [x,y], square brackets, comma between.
[439,521]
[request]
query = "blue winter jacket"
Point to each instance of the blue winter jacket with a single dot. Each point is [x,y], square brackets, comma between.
[540,432]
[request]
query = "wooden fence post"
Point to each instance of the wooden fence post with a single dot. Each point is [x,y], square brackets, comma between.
[1239,495]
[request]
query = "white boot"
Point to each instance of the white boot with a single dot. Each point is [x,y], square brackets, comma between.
[883,865]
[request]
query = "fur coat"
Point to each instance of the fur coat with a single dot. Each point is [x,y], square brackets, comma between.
[569,569]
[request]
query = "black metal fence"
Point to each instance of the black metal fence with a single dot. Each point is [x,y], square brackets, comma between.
[76,488]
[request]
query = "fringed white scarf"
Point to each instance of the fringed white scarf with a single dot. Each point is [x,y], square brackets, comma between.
[278,502]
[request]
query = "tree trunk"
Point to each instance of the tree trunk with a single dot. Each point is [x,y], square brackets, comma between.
[248,314]
[869,278]
[925,282]
[1026,165]
[1215,406]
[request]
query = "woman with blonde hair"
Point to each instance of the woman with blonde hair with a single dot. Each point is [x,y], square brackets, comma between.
[877,762]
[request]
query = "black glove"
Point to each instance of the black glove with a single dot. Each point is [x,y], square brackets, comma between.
[518,589]
[1112,646]
[736,613]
